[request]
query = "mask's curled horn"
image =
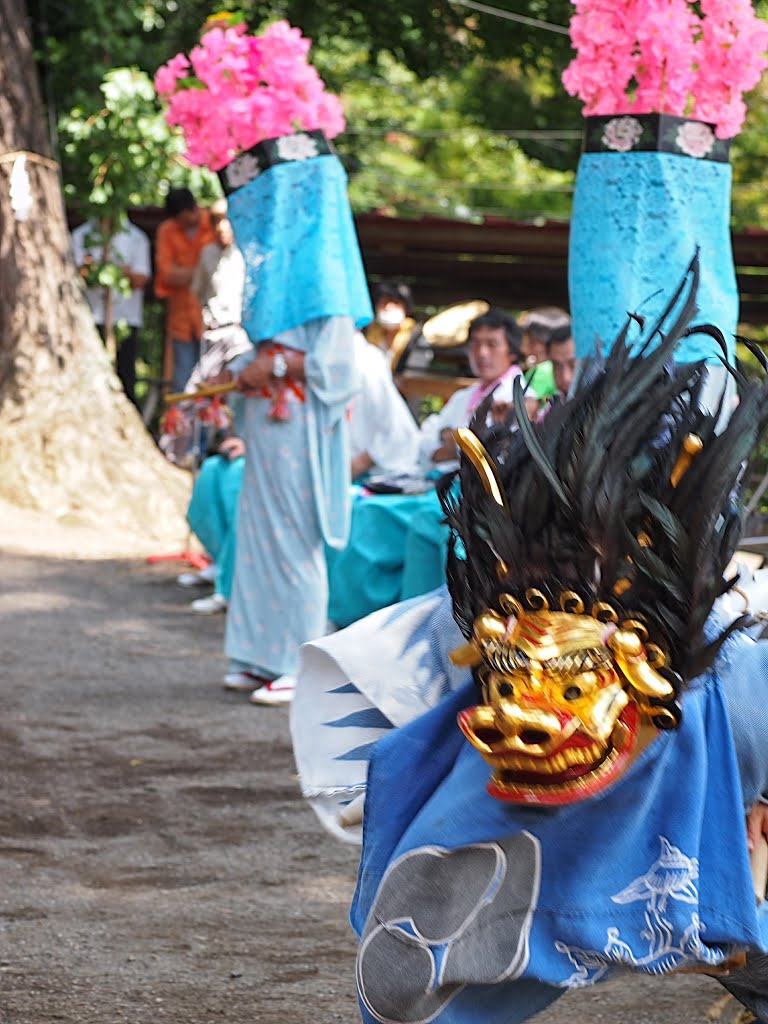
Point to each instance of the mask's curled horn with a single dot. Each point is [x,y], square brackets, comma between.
[471,446]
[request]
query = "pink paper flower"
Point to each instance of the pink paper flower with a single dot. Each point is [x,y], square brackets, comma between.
[693,59]
[168,75]
[236,89]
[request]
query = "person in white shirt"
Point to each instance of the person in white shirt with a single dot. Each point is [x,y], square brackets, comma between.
[218,282]
[383,434]
[219,277]
[494,341]
[129,248]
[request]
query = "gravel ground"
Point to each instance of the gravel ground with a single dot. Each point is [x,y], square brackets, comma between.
[157,865]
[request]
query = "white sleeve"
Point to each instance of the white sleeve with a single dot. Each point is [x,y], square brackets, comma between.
[381,423]
[505,392]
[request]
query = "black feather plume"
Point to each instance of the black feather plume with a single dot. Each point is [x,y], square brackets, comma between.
[591,503]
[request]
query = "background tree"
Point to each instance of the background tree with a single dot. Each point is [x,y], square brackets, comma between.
[431,89]
[121,156]
[70,442]
[451,110]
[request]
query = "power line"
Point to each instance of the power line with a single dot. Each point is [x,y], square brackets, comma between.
[512,133]
[523,19]
[432,183]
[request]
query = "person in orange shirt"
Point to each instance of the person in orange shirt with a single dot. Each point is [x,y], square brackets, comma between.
[180,239]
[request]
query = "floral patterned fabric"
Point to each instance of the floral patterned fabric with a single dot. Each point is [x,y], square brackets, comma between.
[269,152]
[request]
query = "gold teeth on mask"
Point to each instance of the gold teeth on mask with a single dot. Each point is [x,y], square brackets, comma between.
[579,661]
[557,763]
[504,658]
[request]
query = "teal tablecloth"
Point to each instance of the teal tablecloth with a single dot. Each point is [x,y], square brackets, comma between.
[397,548]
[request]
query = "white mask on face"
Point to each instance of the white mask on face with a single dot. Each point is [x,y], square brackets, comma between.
[391,317]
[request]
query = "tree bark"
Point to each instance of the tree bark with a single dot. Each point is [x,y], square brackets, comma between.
[71,444]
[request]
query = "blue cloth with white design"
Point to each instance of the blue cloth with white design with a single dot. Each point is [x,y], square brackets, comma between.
[474,910]
[294,226]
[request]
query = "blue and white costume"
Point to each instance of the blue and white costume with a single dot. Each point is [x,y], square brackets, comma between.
[485,911]
[305,289]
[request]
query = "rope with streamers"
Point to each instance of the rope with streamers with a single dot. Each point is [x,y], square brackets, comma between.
[34,158]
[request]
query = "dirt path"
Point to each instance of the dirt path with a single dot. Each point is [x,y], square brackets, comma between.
[156,861]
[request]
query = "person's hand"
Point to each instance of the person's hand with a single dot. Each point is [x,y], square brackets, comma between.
[361,463]
[214,379]
[447,449]
[532,407]
[256,375]
[232,447]
[757,824]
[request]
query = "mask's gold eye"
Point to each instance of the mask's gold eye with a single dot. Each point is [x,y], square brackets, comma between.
[498,687]
[579,686]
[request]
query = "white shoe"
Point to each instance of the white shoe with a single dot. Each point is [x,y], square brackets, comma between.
[189,579]
[241,682]
[208,573]
[209,605]
[198,579]
[279,691]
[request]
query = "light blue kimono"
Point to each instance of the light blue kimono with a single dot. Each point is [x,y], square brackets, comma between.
[295,496]
[305,289]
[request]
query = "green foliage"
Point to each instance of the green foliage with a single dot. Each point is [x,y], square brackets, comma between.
[428,405]
[411,147]
[429,99]
[123,154]
[445,105]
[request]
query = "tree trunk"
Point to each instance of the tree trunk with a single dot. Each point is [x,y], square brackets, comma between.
[70,442]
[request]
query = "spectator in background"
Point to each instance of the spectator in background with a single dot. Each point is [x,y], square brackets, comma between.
[562,354]
[179,242]
[129,248]
[393,322]
[218,283]
[541,326]
[219,278]
[383,435]
[494,341]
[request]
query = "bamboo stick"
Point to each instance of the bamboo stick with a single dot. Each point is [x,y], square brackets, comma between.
[205,392]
